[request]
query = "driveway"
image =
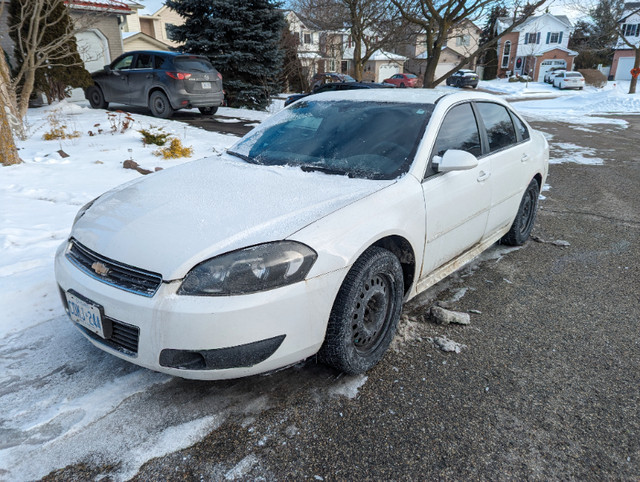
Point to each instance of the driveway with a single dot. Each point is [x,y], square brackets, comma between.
[546,384]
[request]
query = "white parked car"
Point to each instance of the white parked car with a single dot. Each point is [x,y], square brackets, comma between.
[569,80]
[551,73]
[304,238]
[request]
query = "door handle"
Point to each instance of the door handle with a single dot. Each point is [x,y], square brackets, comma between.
[524,158]
[483,176]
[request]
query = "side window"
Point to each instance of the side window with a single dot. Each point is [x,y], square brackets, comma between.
[157,62]
[144,61]
[520,127]
[497,121]
[124,63]
[459,130]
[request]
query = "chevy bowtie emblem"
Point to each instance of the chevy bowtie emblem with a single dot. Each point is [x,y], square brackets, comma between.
[100,268]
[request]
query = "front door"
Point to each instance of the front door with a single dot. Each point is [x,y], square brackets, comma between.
[517,69]
[457,203]
[118,84]
[140,78]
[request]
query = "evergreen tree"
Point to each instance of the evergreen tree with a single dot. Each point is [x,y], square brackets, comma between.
[490,57]
[242,40]
[64,69]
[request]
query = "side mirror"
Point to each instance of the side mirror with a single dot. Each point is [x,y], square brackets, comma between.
[455,160]
[107,69]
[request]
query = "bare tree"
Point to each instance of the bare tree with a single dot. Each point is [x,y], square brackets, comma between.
[34,17]
[635,47]
[373,25]
[436,18]
[9,124]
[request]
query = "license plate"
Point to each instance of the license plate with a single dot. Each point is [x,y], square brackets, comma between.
[85,313]
[206,85]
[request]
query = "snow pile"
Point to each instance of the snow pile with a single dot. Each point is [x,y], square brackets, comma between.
[528,90]
[349,386]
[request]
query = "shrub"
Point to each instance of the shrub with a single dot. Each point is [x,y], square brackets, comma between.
[120,121]
[58,128]
[154,135]
[175,150]
[593,77]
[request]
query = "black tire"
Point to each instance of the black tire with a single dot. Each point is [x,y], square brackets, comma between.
[402,86]
[159,105]
[208,110]
[365,314]
[96,97]
[526,217]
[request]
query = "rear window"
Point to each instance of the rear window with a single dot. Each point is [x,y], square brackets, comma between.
[410,76]
[193,64]
[573,74]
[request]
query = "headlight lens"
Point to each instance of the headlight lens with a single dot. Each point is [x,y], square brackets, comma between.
[249,270]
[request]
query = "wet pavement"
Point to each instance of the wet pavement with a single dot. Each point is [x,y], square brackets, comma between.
[546,387]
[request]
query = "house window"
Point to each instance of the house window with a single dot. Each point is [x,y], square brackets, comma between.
[167,31]
[344,66]
[554,37]
[631,30]
[505,54]
[464,40]
[306,38]
[532,38]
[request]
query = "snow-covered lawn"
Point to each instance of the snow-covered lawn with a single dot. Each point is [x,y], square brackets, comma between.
[60,395]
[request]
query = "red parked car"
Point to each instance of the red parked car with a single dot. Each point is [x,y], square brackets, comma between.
[402,80]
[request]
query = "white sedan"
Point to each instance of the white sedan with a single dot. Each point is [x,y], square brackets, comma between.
[569,80]
[304,238]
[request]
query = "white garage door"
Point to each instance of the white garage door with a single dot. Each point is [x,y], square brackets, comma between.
[623,72]
[547,64]
[442,69]
[93,50]
[387,70]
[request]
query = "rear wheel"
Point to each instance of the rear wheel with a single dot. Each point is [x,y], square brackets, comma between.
[526,217]
[402,86]
[365,313]
[159,105]
[96,97]
[208,110]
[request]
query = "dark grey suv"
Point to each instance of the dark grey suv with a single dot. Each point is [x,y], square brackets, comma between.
[163,81]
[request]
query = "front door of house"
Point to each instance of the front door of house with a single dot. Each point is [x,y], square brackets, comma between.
[518,65]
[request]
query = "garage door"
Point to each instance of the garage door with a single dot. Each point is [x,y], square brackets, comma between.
[548,64]
[443,68]
[93,52]
[387,70]
[623,72]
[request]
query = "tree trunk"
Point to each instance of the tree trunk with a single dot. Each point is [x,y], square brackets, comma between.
[8,151]
[634,79]
[430,70]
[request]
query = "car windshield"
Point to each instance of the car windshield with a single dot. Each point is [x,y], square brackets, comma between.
[372,140]
[193,64]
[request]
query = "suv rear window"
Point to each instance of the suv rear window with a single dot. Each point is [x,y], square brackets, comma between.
[193,64]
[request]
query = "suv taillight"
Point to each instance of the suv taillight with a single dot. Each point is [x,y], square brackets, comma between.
[219,75]
[179,75]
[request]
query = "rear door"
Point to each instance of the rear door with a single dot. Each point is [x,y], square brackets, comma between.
[508,140]
[457,202]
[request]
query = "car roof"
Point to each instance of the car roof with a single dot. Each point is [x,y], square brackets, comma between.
[417,96]
[164,52]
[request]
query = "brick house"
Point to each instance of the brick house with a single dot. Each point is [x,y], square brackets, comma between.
[624,57]
[535,46]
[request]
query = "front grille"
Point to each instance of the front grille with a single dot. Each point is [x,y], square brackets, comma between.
[116,274]
[124,337]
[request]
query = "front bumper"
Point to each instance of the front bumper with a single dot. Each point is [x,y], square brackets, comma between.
[208,338]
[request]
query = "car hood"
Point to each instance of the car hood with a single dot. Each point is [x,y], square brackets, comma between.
[176,218]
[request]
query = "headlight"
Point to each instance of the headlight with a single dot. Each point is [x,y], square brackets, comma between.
[83,210]
[249,270]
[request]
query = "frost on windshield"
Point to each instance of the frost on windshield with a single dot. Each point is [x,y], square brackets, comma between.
[374,140]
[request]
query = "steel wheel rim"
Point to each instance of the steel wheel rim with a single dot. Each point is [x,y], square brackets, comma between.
[158,103]
[527,212]
[371,313]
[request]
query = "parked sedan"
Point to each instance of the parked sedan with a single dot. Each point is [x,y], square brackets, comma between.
[337,86]
[318,80]
[569,80]
[162,81]
[464,78]
[304,238]
[402,80]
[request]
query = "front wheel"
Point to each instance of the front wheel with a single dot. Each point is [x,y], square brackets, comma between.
[208,110]
[365,313]
[96,98]
[526,217]
[159,105]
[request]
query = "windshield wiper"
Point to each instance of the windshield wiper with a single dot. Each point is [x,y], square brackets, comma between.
[326,170]
[242,156]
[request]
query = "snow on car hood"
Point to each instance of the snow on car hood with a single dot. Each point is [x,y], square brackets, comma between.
[175,218]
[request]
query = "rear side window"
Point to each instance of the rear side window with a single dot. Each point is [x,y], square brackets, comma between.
[497,121]
[144,61]
[157,62]
[193,64]
[459,130]
[520,127]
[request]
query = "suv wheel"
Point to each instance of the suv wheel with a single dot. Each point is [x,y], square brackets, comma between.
[208,110]
[159,105]
[96,98]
